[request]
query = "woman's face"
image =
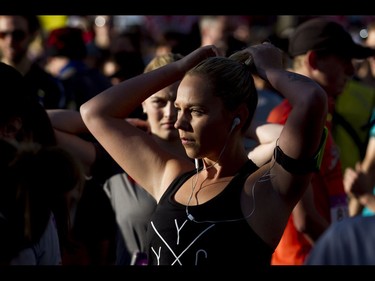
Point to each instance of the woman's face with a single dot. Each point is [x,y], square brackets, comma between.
[161,113]
[202,119]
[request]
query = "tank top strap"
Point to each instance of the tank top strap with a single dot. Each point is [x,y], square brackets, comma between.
[248,168]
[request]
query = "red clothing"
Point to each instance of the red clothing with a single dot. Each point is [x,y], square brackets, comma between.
[329,196]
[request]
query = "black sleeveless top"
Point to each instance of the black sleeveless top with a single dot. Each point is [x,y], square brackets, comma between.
[218,235]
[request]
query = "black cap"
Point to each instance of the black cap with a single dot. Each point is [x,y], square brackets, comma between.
[326,35]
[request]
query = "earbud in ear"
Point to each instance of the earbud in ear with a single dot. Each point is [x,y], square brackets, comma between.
[196,163]
[236,121]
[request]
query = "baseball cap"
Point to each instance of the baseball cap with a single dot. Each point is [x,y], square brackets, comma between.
[321,34]
[66,41]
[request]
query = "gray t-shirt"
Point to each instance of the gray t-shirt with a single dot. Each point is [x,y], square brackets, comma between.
[133,207]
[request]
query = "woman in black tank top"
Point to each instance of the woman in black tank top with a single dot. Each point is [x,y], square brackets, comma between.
[227,211]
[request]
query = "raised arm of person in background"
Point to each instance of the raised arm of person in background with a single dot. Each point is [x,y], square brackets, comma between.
[70,133]
[359,182]
[69,129]
[266,136]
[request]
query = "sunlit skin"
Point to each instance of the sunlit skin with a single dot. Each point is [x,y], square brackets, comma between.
[204,127]
[200,115]
[161,113]
[201,119]
[13,50]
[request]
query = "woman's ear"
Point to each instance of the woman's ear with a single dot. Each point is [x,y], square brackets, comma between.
[144,108]
[243,113]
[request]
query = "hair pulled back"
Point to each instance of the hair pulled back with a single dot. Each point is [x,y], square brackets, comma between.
[230,79]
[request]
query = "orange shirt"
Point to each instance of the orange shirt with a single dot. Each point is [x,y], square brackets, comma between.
[329,196]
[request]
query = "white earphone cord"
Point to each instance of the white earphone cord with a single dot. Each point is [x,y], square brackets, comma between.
[266,176]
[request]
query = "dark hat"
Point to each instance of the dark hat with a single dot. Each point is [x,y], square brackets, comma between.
[325,35]
[67,42]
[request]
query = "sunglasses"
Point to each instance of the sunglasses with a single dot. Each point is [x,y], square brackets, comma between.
[17,35]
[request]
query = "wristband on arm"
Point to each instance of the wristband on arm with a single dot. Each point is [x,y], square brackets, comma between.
[300,167]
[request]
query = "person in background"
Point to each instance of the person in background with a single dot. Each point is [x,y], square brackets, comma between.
[366,68]
[268,99]
[227,207]
[264,136]
[93,228]
[218,31]
[359,178]
[125,58]
[65,59]
[346,242]
[353,109]
[35,194]
[359,181]
[31,193]
[17,33]
[132,204]
[21,117]
[323,51]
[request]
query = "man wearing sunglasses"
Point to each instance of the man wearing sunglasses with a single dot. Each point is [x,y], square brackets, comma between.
[17,34]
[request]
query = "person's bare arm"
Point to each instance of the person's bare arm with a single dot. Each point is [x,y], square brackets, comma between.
[266,135]
[68,121]
[360,181]
[302,133]
[104,116]
[282,182]
[68,126]
[306,218]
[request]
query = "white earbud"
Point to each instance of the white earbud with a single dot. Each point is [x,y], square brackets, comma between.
[236,121]
[190,217]
[196,163]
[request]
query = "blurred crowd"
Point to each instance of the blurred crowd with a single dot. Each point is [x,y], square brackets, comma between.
[65,60]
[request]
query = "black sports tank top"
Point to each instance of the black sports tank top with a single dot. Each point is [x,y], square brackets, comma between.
[218,236]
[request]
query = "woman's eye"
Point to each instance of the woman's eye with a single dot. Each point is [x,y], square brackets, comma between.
[196,112]
[159,103]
